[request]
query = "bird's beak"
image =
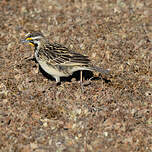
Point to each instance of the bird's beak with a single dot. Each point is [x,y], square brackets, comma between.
[26,40]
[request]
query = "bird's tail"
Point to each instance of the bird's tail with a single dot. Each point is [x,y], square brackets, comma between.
[90,68]
[98,69]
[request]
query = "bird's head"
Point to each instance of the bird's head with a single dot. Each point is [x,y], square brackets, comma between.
[34,38]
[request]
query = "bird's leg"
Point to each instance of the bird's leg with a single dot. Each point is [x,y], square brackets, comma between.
[81,80]
[57,81]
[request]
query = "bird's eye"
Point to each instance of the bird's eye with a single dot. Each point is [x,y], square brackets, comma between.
[31,41]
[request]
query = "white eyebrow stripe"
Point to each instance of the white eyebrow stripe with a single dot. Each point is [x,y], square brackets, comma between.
[37,37]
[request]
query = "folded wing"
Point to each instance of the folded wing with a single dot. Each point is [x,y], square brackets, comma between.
[60,55]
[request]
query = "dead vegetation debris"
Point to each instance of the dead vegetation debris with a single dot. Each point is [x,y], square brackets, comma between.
[113,113]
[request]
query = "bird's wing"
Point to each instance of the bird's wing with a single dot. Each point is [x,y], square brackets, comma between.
[60,55]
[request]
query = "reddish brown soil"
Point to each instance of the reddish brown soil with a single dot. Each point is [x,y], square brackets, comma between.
[113,114]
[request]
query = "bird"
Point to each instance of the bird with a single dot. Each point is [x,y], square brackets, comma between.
[58,60]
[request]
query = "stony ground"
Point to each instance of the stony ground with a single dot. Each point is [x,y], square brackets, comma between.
[113,113]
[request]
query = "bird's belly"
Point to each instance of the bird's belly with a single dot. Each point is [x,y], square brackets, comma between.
[52,70]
